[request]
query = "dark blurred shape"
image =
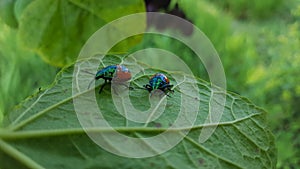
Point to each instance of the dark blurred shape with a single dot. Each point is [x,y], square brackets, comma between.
[156,5]
[163,22]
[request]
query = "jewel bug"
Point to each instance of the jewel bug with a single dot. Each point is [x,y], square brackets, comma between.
[115,73]
[159,81]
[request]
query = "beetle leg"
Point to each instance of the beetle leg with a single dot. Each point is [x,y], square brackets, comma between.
[105,81]
[148,87]
[102,88]
[167,88]
[129,87]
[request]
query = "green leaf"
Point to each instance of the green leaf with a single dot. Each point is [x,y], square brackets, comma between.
[7,12]
[1,116]
[58,33]
[44,130]
[19,7]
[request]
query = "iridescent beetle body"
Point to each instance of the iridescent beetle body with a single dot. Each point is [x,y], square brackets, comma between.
[159,81]
[116,73]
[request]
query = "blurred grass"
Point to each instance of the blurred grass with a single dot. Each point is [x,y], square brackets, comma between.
[270,42]
[21,72]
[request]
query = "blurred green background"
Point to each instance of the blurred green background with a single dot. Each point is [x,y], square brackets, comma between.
[257,41]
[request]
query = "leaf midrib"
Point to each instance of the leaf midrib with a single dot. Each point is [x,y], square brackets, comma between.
[6,134]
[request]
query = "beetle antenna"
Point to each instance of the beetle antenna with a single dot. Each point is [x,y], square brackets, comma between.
[90,83]
[85,71]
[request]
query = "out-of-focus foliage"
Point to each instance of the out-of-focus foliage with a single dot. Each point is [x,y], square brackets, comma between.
[6,12]
[58,32]
[255,9]
[21,72]
[275,84]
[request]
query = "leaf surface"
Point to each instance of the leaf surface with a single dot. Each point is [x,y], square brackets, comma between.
[44,130]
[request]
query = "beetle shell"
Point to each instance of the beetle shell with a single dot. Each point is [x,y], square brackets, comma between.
[106,73]
[123,74]
[117,73]
[158,80]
